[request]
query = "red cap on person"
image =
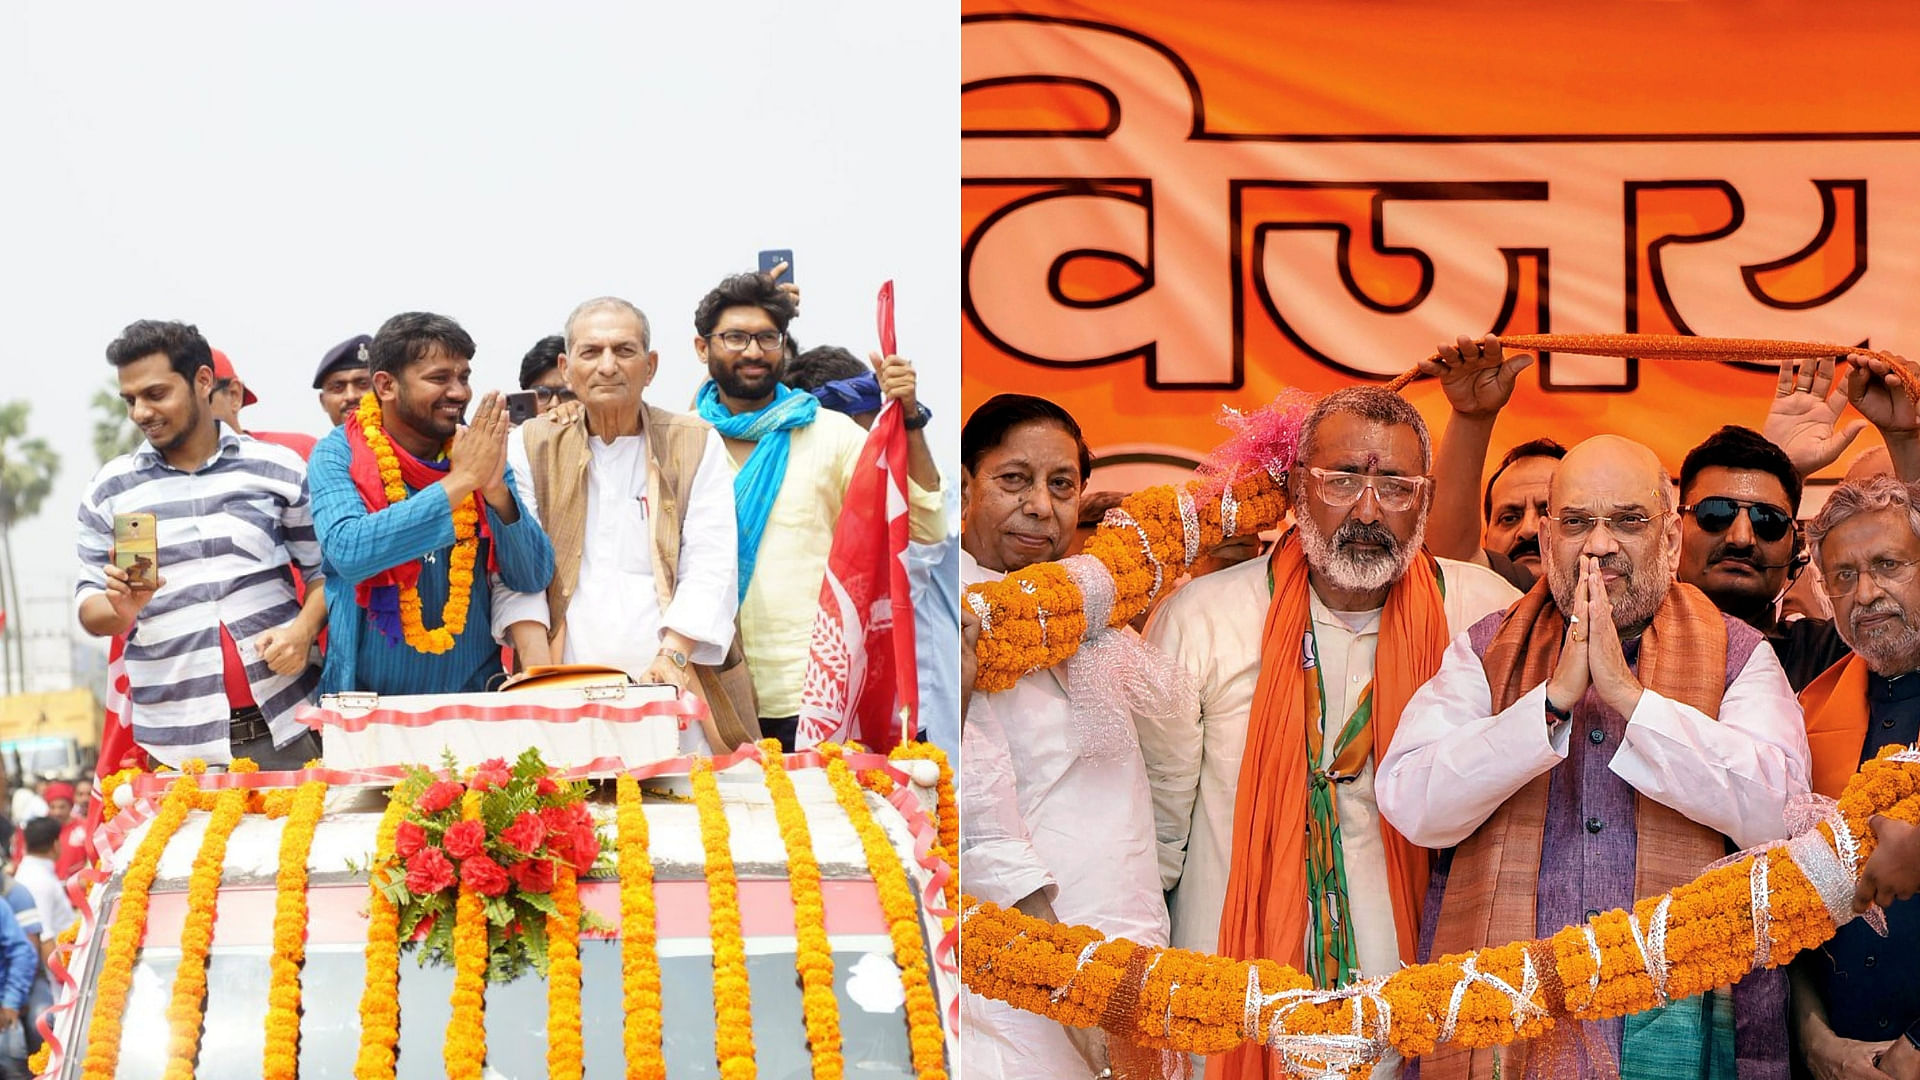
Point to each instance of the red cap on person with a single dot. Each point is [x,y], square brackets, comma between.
[59,789]
[223,369]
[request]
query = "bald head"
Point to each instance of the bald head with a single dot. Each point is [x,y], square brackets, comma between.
[1612,502]
[1875,462]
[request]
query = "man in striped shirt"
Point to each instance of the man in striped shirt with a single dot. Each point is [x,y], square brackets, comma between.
[218,648]
[418,521]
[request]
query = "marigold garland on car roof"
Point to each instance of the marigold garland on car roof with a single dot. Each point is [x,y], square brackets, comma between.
[639,958]
[947,818]
[188,1006]
[733,1018]
[129,930]
[903,921]
[813,953]
[380,996]
[281,1060]
[1705,934]
[465,1051]
[566,1054]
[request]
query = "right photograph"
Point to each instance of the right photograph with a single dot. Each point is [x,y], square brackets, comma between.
[1441,541]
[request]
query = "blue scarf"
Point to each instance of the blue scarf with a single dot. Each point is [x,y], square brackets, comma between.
[759,480]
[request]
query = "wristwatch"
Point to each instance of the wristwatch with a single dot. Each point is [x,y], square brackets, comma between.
[919,419]
[679,658]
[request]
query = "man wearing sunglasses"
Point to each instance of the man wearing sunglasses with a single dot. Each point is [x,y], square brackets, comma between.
[1856,1002]
[1739,543]
[1602,739]
[1304,660]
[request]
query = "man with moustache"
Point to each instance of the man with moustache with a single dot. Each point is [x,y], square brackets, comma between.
[1602,739]
[1264,793]
[1037,759]
[793,460]
[343,378]
[1856,1001]
[418,521]
[638,503]
[1514,502]
[230,516]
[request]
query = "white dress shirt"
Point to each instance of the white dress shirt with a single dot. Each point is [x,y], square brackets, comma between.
[49,895]
[614,617]
[1213,626]
[1454,761]
[1038,815]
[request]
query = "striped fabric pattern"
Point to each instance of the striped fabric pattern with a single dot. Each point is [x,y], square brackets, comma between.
[227,532]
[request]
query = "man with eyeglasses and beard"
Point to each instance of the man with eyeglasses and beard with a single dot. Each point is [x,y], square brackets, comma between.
[1263,796]
[1602,739]
[792,462]
[1856,1002]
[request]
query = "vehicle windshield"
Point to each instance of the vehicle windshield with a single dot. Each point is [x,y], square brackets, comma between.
[41,755]
[875,1036]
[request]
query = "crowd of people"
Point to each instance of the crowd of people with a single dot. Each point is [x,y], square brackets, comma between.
[1437,715]
[45,829]
[432,540]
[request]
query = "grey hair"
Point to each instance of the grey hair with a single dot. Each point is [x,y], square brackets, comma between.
[602,303]
[1864,496]
[1375,403]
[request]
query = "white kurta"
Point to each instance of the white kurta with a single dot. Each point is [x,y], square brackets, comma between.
[1036,814]
[1454,761]
[614,617]
[1213,626]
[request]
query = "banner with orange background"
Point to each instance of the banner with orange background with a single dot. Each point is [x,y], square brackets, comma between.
[1170,207]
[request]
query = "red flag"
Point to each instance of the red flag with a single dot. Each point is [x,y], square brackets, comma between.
[861,680]
[117,748]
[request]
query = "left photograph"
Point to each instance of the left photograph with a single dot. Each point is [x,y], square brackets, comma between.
[479,559]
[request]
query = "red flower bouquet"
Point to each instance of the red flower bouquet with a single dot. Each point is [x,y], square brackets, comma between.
[529,824]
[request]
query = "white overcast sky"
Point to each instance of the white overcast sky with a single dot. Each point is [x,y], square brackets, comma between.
[285,175]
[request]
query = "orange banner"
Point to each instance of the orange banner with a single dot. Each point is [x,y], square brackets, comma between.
[1167,208]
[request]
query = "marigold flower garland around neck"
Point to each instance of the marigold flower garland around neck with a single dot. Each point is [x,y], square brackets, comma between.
[129,931]
[1757,909]
[813,953]
[281,1060]
[466,1049]
[466,545]
[733,1020]
[927,1039]
[639,955]
[380,996]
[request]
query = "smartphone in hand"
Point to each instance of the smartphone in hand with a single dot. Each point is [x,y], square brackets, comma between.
[523,406]
[136,549]
[774,257]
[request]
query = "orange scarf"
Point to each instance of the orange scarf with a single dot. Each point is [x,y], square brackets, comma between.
[1266,903]
[1836,708]
[1495,877]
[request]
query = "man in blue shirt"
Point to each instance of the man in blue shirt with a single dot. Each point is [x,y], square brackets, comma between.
[19,961]
[418,521]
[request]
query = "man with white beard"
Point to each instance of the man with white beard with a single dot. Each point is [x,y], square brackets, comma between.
[1263,796]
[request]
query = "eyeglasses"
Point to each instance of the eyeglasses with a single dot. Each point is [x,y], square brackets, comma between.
[1718,513]
[1840,584]
[1396,493]
[551,394]
[1624,524]
[769,340]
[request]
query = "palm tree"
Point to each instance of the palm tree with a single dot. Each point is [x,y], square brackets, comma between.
[27,469]
[113,433]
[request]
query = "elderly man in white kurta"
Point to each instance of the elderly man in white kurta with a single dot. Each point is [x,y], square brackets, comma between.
[1263,795]
[639,504]
[1604,739]
[1057,820]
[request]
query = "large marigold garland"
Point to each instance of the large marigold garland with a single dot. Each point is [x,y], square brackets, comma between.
[1035,618]
[282,1058]
[466,545]
[566,1053]
[903,922]
[813,953]
[129,930]
[188,1007]
[466,1046]
[1700,936]
[733,1016]
[639,958]
[380,996]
